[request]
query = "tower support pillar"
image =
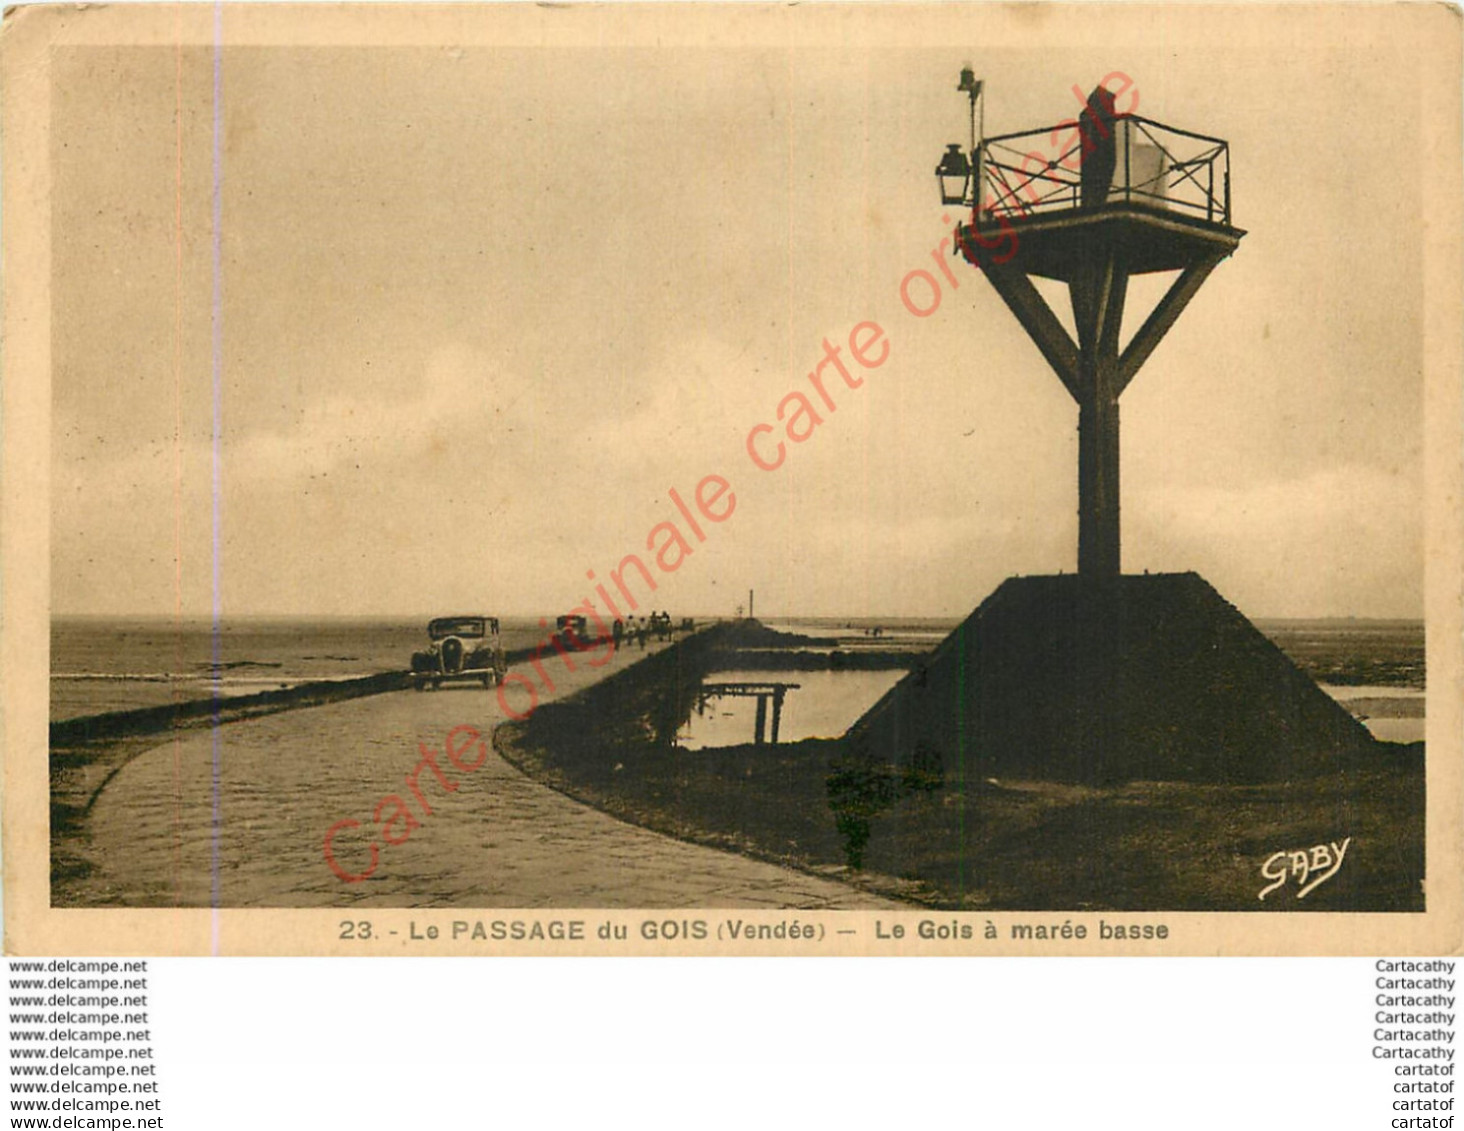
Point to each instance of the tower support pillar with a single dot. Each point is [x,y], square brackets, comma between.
[1098,491]
[1093,368]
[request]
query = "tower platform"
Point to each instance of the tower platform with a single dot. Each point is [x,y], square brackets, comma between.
[1100,680]
[1061,244]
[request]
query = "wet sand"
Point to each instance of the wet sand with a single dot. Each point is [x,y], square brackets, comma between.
[497,840]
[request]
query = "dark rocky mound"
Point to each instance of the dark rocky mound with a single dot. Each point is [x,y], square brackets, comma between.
[649,700]
[749,633]
[1104,680]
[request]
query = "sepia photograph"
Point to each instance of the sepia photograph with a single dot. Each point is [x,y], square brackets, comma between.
[667,461]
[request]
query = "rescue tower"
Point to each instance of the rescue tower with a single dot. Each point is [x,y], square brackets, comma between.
[1124,196]
[1102,677]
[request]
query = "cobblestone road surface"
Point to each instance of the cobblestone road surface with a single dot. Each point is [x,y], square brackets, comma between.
[497,840]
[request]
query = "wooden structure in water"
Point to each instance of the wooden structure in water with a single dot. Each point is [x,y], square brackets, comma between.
[765,693]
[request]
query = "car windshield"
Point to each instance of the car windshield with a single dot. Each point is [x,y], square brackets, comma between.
[456,626]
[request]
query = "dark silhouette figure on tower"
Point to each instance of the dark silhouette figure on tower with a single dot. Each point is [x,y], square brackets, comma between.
[1100,147]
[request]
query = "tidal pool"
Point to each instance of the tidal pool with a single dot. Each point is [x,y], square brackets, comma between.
[824,705]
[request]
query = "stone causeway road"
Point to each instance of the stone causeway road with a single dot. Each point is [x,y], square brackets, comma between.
[498,839]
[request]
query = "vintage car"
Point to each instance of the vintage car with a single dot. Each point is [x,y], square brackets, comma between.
[462,648]
[574,630]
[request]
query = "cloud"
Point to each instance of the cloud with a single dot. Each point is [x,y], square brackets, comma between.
[1347,540]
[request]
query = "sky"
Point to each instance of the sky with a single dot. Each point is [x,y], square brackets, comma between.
[483,306]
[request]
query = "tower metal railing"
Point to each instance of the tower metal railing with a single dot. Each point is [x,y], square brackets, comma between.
[1034,173]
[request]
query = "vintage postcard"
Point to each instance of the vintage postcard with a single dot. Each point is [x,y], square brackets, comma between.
[649,479]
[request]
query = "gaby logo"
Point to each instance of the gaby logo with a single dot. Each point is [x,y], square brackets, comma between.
[1310,867]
